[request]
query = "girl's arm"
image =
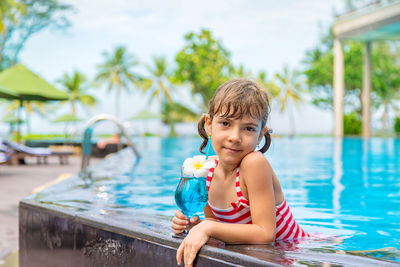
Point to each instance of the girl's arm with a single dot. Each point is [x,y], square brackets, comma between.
[257,175]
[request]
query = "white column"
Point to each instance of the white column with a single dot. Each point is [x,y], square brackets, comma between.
[365,94]
[338,87]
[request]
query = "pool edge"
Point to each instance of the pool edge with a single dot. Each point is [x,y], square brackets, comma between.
[45,232]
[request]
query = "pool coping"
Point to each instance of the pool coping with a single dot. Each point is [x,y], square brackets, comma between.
[141,233]
[138,230]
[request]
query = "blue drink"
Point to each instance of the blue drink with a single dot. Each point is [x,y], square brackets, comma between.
[191,195]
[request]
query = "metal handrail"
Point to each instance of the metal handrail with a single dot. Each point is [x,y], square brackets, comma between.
[87,137]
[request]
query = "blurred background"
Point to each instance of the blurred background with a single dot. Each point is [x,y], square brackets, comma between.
[155,64]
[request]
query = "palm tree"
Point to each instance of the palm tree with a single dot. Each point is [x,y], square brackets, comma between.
[291,90]
[76,86]
[159,86]
[159,83]
[273,90]
[116,72]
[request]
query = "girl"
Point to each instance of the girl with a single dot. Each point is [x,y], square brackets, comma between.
[245,200]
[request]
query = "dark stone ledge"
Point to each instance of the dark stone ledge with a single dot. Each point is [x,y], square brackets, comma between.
[54,236]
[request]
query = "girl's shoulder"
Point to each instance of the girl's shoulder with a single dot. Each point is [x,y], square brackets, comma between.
[254,160]
[255,171]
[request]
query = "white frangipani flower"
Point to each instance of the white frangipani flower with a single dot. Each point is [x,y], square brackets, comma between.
[197,166]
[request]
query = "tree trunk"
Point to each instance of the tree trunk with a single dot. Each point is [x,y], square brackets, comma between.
[384,119]
[73,111]
[117,101]
[28,122]
[172,132]
[292,122]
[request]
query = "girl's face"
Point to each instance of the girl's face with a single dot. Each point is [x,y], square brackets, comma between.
[233,139]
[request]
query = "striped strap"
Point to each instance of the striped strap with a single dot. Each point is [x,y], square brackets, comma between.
[210,175]
[242,200]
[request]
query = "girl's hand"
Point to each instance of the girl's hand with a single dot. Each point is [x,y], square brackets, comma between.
[180,222]
[193,242]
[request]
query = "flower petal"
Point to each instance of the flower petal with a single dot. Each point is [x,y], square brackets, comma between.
[188,171]
[187,162]
[200,173]
[199,158]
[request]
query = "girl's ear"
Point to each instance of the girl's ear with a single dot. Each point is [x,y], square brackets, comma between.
[262,133]
[208,125]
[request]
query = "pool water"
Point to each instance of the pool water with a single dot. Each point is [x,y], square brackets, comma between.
[348,189]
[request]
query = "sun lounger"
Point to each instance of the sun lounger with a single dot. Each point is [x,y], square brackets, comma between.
[5,153]
[41,154]
[3,158]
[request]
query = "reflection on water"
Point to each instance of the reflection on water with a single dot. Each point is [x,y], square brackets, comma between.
[337,176]
[348,189]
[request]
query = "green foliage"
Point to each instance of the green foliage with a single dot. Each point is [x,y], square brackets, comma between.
[76,86]
[32,137]
[116,72]
[6,10]
[397,125]
[173,113]
[159,84]
[290,87]
[21,19]
[352,124]
[319,72]
[203,63]
[384,76]
[272,88]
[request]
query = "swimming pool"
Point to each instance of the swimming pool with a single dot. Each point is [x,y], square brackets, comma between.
[346,188]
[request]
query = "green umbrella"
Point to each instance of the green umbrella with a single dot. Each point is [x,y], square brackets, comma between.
[11,119]
[67,118]
[7,93]
[144,115]
[28,85]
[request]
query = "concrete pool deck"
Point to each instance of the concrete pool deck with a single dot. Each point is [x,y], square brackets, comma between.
[17,182]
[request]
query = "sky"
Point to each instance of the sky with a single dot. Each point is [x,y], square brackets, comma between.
[262,35]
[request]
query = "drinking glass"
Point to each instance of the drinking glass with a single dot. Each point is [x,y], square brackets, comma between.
[191,196]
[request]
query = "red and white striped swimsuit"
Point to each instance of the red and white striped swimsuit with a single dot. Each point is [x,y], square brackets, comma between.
[286,226]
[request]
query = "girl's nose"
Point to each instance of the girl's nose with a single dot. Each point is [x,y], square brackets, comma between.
[234,136]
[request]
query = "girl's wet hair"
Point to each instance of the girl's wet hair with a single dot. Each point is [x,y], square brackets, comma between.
[237,98]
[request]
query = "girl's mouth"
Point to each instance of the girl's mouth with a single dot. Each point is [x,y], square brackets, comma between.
[232,150]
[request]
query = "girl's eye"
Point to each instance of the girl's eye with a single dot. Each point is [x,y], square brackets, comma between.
[225,123]
[250,129]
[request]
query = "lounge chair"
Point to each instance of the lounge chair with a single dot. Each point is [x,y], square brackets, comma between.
[3,158]
[41,154]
